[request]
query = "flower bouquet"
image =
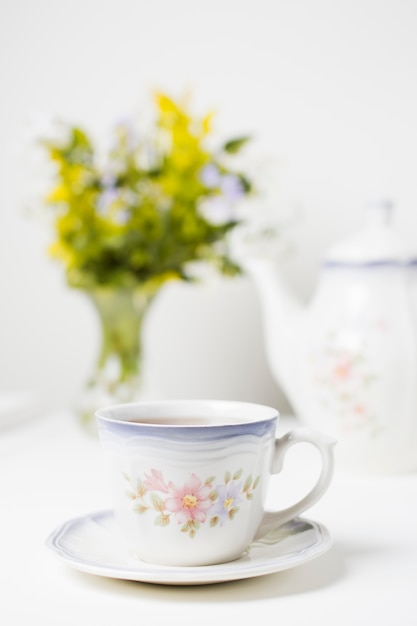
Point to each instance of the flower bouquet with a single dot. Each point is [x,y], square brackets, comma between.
[126,220]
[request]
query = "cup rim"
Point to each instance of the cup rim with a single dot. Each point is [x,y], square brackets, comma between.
[232,412]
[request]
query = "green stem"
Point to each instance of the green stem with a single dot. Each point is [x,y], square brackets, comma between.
[121,312]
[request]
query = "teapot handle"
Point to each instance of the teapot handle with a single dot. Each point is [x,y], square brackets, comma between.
[324,445]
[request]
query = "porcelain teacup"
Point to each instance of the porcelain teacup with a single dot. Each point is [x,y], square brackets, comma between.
[190,477]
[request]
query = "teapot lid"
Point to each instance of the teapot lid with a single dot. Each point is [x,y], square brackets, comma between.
[376,244]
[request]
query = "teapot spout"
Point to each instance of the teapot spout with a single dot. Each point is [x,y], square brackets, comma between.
[282,316]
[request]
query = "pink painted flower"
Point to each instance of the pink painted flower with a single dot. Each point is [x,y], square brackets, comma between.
[359,409]
[343,368]
[190,502]
[155,481]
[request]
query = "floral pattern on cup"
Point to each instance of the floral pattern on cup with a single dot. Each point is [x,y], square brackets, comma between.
[193,503]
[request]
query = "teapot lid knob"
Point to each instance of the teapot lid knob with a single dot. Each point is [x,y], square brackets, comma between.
[379,211]
[376,244]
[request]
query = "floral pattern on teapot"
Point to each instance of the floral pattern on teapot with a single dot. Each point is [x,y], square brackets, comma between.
[346,379]
[193,503]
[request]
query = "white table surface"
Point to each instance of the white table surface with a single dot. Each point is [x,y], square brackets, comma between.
[52,471]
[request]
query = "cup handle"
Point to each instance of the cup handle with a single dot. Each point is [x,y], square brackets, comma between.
[324,445]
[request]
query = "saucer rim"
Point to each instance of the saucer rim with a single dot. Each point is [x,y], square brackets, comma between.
[189,575]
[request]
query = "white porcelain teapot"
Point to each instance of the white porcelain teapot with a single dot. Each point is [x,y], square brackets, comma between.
[348,361]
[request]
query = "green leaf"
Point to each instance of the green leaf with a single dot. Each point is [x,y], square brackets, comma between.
[142,225]
[157,502]
[233,512]
[190,527]
[234,145]
[126,476]
[140,508]
[246,184]
[248,483]
[141,487]
[162,520]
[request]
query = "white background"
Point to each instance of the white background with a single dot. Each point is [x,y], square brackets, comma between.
[328,90]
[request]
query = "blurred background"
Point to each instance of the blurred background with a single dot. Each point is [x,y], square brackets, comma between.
[328,92]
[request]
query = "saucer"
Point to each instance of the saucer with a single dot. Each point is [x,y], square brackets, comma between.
[92,544]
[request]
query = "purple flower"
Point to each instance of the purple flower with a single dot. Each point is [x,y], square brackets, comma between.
[108,180]
[232,187]
[217,210]
[106,199]
[122,216]
[229,496]
[210,176]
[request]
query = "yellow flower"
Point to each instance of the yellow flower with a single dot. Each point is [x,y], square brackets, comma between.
[134,214]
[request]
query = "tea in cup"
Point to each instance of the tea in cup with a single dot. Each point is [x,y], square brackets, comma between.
[190,477]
